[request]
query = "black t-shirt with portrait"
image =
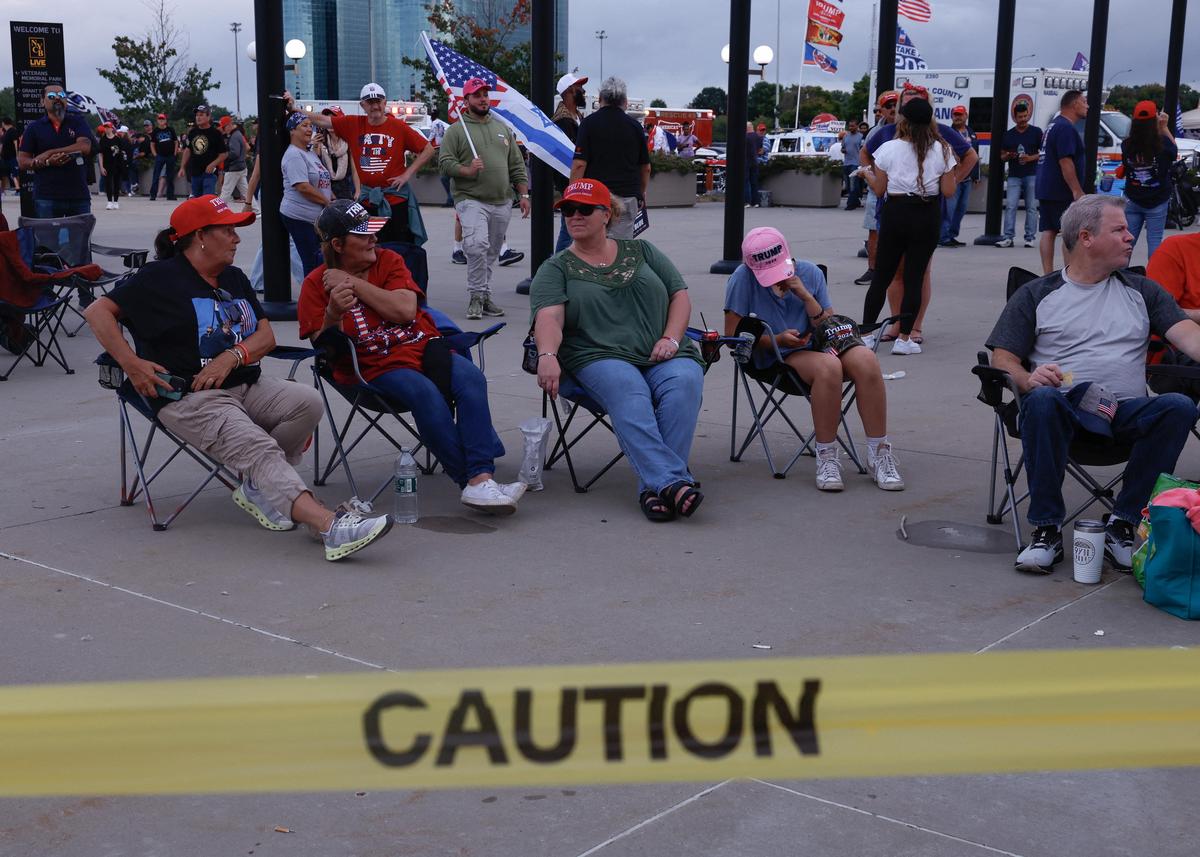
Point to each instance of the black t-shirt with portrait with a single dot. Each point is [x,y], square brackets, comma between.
[206,145]
[115,153]
[181,322]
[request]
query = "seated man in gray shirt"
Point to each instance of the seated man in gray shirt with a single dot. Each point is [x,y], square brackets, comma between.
[1090,324]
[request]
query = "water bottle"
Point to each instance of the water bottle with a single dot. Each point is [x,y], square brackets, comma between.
[1020,150]
[405,488]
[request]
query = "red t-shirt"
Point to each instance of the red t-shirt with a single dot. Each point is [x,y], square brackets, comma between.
[1175,266]
[378,149]
[381,345]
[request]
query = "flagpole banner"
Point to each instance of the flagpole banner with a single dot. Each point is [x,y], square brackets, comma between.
[915,10]
[825,19]
[823,34]
[779,718]
[826,12]
[1081,62]
[822,60]
[908,58]
[530,125]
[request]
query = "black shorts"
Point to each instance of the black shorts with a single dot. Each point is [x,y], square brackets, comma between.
[1050,212]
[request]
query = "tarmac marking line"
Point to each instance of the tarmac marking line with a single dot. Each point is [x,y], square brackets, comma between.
[910,825]
[654,818]
[202,613]
[1056,610]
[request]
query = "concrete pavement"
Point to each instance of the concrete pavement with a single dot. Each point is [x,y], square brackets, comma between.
[91,593]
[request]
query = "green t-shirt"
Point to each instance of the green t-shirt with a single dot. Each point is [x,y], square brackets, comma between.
[616,311]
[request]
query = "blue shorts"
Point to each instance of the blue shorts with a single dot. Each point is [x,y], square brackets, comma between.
[1050,212]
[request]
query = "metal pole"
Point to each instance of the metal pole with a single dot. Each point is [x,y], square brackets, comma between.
[778,59]
[735,153]
[885,73]
[1095,94]
[1005,22]
[277,275]
[237,78]
[601,35]
[542,187]
[1174,61]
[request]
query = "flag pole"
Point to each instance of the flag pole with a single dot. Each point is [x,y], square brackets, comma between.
[437,70]
[800,82]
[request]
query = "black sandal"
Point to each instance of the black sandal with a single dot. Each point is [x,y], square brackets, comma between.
[683,497]
[655,508]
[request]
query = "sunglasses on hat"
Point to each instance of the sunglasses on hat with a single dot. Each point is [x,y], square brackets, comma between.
[570,209]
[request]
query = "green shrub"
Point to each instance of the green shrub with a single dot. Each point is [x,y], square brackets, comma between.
[812,166]
[661,162]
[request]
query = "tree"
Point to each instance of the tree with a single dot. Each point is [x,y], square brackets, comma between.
[711,98]
[152,75]
[1124,98]
[760,103]
[8,103]
[657,103]
[483,39]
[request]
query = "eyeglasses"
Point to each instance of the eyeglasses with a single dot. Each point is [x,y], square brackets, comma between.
[570,209]
[56,95]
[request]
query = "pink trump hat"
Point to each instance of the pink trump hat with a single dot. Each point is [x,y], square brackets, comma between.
[765,252]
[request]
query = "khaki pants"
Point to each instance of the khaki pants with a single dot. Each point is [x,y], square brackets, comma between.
[622,227]
[258,430]
[234,180]
[484,227]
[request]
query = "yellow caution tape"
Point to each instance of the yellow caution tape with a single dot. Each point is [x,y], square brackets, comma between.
[538,726]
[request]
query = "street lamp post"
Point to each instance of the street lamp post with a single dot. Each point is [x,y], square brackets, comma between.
[295,50]
[1116,75]
[237,80]
[1023,57]
[601,36]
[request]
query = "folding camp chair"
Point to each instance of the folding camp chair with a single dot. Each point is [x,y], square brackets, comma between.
[583,414]
[776,383]
[372,404]
[31,310]
[138,483]
[65,242]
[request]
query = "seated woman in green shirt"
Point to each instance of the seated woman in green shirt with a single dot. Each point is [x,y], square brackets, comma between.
[611,316]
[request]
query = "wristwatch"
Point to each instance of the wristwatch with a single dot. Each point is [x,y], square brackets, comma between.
[524,196]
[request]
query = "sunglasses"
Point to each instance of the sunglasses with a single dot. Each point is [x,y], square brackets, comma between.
[570,209]
[56,95]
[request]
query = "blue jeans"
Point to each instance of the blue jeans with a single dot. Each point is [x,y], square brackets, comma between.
[204,184]
[465,448]
[1157,428]
[1154,218]
[308,244]
[852,184]
[956,207]
[163,165]
[564,237]
[752,186]
[1014,188]
[47,208]
[653,411]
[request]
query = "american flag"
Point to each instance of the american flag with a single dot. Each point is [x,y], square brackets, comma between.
[81,103]
[915,10]
[530,125]
[1107,407]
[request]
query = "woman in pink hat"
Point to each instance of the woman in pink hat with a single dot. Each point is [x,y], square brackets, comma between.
[610,316]
[793,299]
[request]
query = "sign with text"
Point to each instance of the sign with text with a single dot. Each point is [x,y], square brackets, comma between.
[37,59]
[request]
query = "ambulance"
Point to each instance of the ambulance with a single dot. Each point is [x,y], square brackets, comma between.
[1041,88]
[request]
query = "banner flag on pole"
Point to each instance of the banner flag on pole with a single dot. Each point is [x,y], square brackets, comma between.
[915,10]
[822,60]
[1081,62]
[531,126]
[908,58]
[823,34]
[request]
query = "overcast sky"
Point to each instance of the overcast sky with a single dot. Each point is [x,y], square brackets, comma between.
[671,51]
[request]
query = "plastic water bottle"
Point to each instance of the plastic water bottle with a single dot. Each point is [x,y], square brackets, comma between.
[404,486]
[1020,150]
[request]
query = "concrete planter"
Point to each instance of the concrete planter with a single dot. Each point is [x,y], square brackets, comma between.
[182,186]
[671,190]
[802,189]
[428,189]
[977,201]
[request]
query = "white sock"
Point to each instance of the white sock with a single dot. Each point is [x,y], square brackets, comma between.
[873,445]
[503,248]
[826,449]
[457,246]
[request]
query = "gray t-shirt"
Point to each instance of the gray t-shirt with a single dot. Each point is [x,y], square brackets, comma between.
[1093,332]
[851,144]
[301,165]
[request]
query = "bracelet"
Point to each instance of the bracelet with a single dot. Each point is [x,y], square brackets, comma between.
[547,354]
[237,356]
[672,340]
[244,352]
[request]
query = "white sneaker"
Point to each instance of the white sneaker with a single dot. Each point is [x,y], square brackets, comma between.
[884,468]
[116,205]
[351,532]
[905,346]
[255,502]
[488,497]
[829,470]
[1004,242]
[869,340]
[108,206]
[1030,244]
[515,490]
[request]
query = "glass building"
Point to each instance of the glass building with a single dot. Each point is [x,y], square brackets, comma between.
[351,42]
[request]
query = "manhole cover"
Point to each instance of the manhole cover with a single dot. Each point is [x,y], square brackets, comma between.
[956,536]
[454,525]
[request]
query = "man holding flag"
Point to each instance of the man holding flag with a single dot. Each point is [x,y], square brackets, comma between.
[484,163]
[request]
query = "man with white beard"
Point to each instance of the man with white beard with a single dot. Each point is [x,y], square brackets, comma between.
[55,147]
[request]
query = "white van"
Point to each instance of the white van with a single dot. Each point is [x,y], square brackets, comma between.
[1041,88]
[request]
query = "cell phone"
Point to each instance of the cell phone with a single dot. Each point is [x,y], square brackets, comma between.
[178,386]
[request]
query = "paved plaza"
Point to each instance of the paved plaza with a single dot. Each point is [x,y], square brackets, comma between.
[89,592]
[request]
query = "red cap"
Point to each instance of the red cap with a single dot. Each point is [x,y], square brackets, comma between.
[223,121]
[959,109]
[885,97]
[204,211]
[1145,110]
[762,126]
[333,110]
[474,85]
[917,89]
[585,191]
[162,115]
